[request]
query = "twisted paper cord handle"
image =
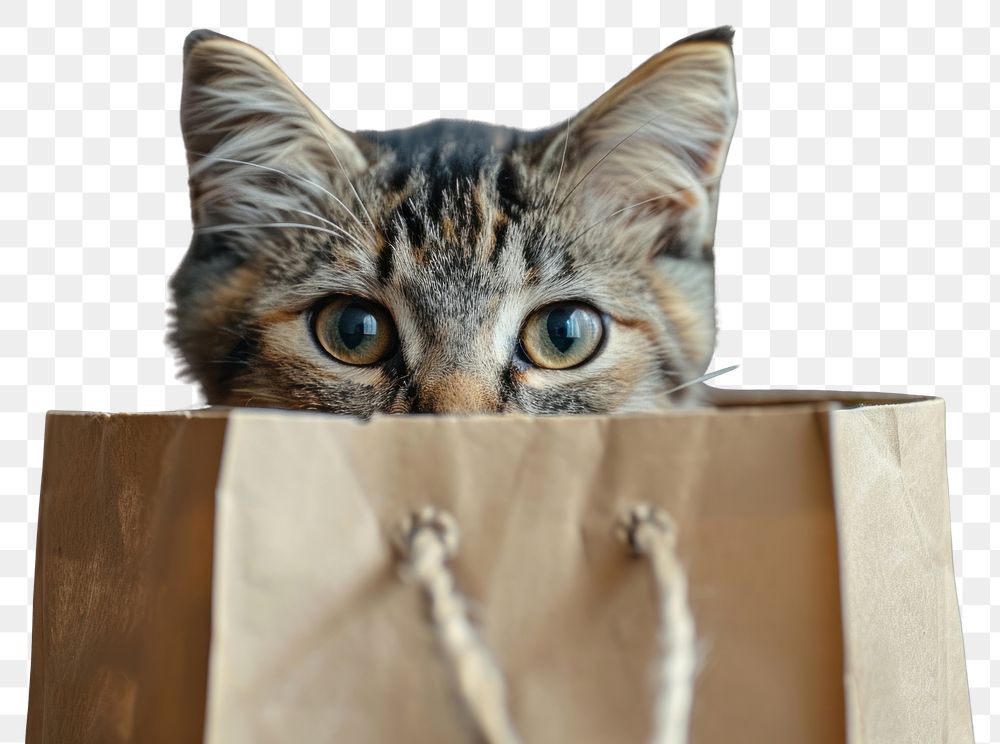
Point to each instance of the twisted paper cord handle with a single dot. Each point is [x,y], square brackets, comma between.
[653,534]
[427,539]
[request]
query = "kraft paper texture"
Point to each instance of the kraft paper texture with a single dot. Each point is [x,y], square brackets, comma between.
[905,661]
[228,575]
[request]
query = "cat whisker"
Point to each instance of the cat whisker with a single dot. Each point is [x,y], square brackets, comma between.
[256,225]
[294,177]
[703,378]
[639,204]
[244,362]
[258,395]
[615,147]
[334,225]
[602,159]
[562,162]
[649,173]
[597,263]
[351,184]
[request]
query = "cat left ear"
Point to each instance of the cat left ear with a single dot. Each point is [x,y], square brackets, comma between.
[237,106]
[648,154]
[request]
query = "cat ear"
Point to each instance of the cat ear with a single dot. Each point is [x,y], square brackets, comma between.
[256,144]
[648,154]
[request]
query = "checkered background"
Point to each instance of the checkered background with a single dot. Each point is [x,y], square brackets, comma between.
[856,247]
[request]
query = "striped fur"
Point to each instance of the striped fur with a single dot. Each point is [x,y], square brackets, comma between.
[460,230]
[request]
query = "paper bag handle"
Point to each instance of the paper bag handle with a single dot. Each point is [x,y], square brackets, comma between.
[651,533]
[428,539]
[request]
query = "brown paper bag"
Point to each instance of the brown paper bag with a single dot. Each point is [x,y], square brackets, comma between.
[230,576]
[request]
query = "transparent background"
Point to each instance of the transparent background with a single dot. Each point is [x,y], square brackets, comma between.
[856,244]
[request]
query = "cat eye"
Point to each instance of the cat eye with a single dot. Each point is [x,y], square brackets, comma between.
[562,335]
[355,331]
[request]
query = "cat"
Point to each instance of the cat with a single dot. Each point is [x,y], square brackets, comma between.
[451,267]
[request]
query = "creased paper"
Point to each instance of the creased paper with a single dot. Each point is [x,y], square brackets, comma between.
[813,527]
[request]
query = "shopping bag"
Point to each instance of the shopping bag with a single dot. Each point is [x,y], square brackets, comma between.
[242,575]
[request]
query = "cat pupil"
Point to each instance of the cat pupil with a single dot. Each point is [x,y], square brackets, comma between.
[564,328]
[356,326]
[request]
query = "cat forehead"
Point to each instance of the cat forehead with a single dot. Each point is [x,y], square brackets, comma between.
[445,157]
[459,147]
[454,201]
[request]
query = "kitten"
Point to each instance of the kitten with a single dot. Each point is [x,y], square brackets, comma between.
[451,267]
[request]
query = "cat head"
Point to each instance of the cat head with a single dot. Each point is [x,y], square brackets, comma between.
[451,266]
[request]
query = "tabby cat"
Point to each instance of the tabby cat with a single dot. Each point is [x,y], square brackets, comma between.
[451,267]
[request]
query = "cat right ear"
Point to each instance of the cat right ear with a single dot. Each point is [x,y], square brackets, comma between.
[648,154]
[244,125]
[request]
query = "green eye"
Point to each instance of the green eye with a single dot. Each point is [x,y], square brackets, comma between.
[355,331]
[563,335]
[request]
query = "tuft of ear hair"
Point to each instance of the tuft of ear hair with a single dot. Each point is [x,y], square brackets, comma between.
[649,153]
[244,124]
